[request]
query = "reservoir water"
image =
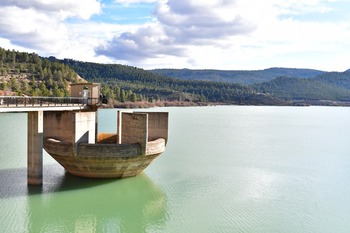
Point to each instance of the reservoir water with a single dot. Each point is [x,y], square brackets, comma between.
[225,169]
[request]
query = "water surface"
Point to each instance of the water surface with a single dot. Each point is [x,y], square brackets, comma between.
[225,169]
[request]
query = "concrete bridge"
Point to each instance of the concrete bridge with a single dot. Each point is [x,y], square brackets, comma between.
[42,110]
[30,104]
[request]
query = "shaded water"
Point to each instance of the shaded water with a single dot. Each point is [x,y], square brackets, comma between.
[225,169]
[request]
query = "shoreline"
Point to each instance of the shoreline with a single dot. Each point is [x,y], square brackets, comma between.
[295,103]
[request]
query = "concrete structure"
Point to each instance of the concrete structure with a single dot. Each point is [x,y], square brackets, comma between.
[89,91]
[70,139]
[36,111]
[35,148]
[39,107]
[67,129]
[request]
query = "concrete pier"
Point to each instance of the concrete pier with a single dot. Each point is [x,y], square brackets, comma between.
[35,148]
[71,119]
[140,138]
[69,126]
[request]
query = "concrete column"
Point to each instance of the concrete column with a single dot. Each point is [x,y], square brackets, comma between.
[35,148]
[119,127]
[135,129]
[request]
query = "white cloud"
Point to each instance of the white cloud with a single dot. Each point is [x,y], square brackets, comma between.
[39,24]
[228,34]
[60,8]
[84,37]
[30,28]
[223,34]
[290,42]
[194,22]
[179,24]
[303,7]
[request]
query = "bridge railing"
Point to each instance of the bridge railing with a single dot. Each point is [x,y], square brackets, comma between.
[24,101]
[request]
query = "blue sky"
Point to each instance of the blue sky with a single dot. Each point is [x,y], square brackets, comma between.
[206,34]
[118,13]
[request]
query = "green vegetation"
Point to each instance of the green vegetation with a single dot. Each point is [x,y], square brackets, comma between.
[245,77]
[323,87]
[138,84]
[29,74]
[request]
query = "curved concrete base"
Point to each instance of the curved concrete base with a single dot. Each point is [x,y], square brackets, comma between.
[104,160]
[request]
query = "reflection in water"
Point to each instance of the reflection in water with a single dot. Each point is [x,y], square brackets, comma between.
[13,182]
[76,204]
[243,169]
[65,203]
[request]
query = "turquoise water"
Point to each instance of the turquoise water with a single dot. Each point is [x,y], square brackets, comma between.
[225,169]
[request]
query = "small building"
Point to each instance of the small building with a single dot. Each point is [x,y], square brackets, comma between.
[90,91]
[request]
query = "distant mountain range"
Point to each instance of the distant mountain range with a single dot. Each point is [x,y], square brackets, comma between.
[288,84]
[237,76]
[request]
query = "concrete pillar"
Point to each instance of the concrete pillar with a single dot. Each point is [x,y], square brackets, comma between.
[119,127]
[134,129]
[35,148]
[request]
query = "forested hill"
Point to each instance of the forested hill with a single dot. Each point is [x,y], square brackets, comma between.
[332,86]
[29,74]
[24,73]
[126,83]
[238,76]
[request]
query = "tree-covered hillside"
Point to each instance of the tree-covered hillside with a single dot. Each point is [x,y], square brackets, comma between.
[29,74]
[149,86]
[339,79]
[328,86]
[245,77]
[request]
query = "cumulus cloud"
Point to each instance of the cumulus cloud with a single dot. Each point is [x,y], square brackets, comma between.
[146,42]
[303,7]
[178,24]
[39,24]
[228,34]
[204,22]
[62,8]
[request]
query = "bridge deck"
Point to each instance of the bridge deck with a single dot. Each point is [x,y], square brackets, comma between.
[29,104]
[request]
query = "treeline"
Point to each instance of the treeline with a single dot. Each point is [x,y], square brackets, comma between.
[29,74]
[330,86]
[245,77]
[145,85]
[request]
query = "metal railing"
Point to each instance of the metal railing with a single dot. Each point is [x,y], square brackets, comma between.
[24,101]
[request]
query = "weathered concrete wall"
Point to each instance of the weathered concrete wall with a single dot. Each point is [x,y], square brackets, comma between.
[108,150]
[119,124]
[158,125]
[134,129]
[59,125]
[156,146]
[69,126]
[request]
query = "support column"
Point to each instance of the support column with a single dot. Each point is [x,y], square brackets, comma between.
[35,148]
